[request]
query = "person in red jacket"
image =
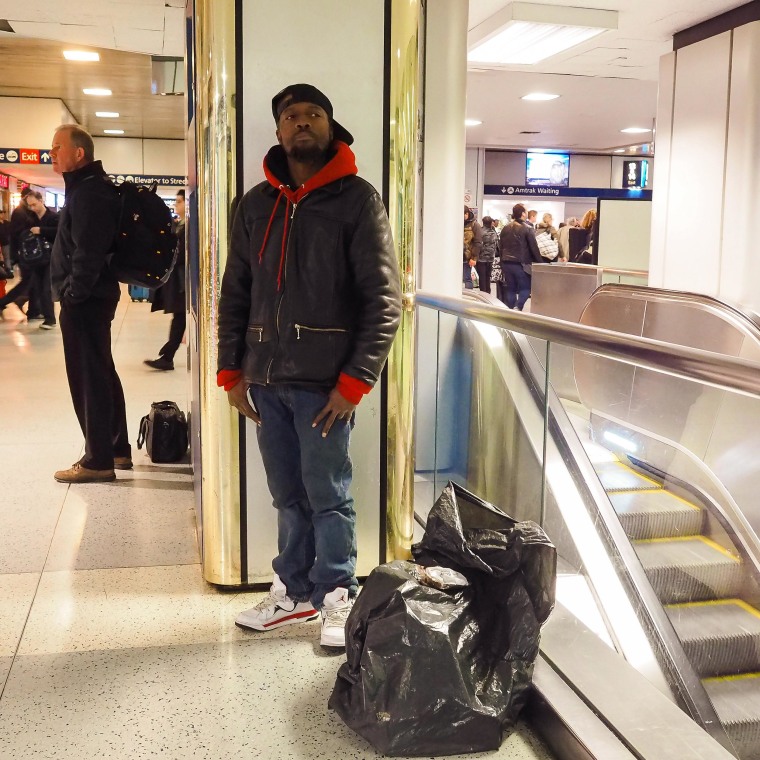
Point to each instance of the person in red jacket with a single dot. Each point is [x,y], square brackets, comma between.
[309,307]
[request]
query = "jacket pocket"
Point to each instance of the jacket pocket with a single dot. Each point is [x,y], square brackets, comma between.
[255,334]
[319,353]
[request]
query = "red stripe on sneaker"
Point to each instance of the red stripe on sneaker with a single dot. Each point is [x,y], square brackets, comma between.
[294,616]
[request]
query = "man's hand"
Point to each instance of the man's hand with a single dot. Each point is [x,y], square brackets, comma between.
[238,397]
[336,408]
[34,230]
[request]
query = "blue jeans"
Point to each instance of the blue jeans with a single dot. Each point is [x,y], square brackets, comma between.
[309,478]
[516,284]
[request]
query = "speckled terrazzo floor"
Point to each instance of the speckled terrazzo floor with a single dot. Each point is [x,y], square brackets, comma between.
[111,643]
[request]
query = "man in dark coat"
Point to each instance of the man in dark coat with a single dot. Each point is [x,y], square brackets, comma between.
[89,292]
[310,305]
[170,297]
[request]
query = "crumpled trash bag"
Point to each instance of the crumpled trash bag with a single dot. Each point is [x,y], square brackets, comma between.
[442,672]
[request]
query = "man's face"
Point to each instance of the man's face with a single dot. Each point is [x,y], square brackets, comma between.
[65,157]
[179,206]
[35,205]
[304,131]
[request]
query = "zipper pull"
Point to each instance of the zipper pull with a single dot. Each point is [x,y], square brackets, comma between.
[298,332]
[293,212]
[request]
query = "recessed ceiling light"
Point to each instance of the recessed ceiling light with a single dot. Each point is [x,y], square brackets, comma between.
[539,96]
[80,55]
[472,123]
[98,91]
[107,114]
[113,131]
[635,130]
[526,33]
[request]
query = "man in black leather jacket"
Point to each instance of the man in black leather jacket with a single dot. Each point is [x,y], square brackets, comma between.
[518,250]
[309,308]
[89,291]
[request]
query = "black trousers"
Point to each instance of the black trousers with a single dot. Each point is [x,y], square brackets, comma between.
[95,387]
[176,331]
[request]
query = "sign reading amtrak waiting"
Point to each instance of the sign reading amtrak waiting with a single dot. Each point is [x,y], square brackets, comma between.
[25,156]
[567,192]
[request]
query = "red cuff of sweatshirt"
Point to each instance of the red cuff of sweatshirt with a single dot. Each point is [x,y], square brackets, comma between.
[228,378]
[352,389]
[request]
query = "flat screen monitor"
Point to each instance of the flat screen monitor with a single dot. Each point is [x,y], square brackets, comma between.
[548,169]
[635,173]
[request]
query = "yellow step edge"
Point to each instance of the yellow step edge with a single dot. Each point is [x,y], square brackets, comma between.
[703,539]
[715,603]
[655,490]
[636,472]
[739,677]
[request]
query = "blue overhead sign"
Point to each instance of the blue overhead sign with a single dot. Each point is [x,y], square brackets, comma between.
[163,180]
[568,192]
[25,156]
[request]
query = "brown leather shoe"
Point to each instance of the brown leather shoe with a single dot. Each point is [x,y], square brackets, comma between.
[78,473]
[122,463]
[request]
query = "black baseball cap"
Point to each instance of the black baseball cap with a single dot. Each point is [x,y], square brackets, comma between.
[307,93]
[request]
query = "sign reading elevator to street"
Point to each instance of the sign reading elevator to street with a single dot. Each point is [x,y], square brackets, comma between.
[24,156]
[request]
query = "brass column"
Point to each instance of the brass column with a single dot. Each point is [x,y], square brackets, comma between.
[214,75]
[407,21]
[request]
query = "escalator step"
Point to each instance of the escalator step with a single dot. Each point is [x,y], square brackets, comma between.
[615,476]
[737,702]
[720,637]
[689,569]
[656,514]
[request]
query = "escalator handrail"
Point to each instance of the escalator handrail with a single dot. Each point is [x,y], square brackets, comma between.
[708,367]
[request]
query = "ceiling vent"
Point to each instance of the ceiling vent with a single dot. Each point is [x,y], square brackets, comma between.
[6,27]
[528,132]
[167,75]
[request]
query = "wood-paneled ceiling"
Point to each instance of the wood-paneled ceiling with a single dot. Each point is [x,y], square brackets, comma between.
[36,68]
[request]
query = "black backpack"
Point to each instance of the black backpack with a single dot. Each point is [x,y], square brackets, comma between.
[33,250]
[164,432]
[145,248]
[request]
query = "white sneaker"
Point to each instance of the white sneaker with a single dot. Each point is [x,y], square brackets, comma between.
[276,609]
[335,609]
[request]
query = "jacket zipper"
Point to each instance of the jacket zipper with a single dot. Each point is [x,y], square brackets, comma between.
[282,294]
[317,329]
[259,330]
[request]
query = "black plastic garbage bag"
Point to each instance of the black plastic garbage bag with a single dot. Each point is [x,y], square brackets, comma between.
[442,672]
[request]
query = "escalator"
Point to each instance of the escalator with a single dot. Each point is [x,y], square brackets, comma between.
[679,484]
[701,585]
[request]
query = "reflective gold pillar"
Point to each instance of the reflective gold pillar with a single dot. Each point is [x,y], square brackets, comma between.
[215,140]
[404,210]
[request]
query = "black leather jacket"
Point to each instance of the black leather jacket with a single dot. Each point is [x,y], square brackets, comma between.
[86,231]
[338,306]
[517,244]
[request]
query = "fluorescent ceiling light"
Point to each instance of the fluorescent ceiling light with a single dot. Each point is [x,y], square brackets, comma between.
[635,130]
[80,55]
[99,91]
[472,123]
[526,33]
[539,96]
[620,150]
[107,114]
[113,131]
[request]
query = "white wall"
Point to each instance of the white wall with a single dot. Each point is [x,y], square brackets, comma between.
[30,122]
[591,171]
[287,42]
[624,234]
[707,189]
[126,155]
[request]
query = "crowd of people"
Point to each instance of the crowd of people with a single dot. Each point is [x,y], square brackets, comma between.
[502,254]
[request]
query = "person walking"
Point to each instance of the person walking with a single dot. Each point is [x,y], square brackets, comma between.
[489,251]
[89,292]
[310,304]
[171,296]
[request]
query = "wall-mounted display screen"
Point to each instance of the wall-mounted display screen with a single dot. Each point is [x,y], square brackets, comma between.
[548,169]
[635,173]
